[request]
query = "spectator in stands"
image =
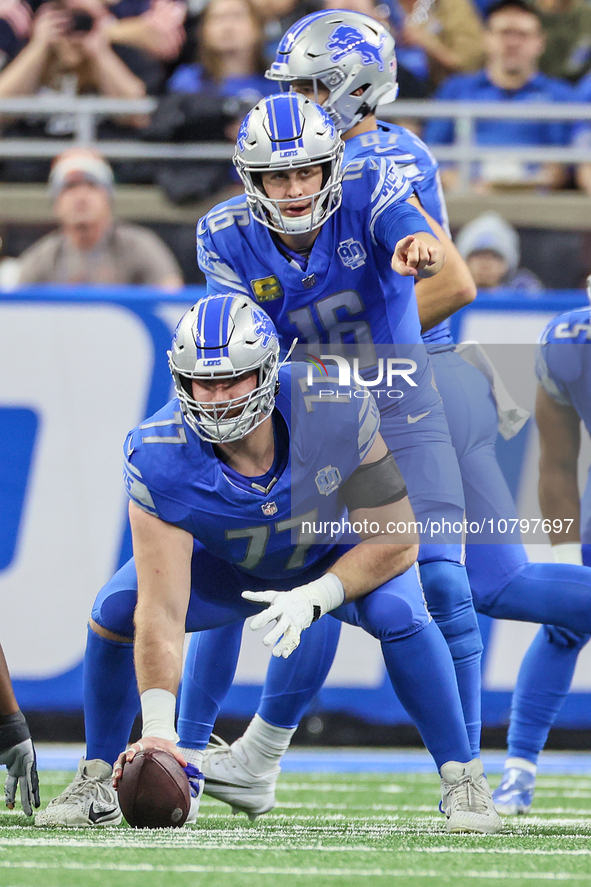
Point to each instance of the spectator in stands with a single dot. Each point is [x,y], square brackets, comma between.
[15,26]
[490,247]
[582,135]
[278,15]
[567,24]
[155,27]
[514,42]
[437,38]
[9,270]
[230,54]
[90,246]
[68,53]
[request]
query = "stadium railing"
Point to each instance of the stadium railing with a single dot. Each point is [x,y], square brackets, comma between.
[86,111]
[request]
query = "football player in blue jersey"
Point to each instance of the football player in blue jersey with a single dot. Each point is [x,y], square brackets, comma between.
[318,249]
[311,59]
[16,747]
[563,368]
[218,480]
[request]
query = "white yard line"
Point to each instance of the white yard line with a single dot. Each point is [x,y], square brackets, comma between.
[191,839]
[292,870]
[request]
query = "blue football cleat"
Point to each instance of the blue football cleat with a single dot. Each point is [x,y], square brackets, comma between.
[515,794]
[196,784]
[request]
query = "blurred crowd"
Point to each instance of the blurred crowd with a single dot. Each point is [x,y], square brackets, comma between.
[205,64]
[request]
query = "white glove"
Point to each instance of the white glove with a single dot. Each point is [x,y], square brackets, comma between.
[22,768]
[295,610]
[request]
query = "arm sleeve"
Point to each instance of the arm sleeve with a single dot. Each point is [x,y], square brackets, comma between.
[390,215]
[136,489]
[399,221]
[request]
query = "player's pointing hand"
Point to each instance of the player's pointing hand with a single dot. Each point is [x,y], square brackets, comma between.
[415,257]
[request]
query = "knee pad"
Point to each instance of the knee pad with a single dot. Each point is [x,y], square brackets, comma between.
[449,599]
[562,637]
[388,617]
[114,608]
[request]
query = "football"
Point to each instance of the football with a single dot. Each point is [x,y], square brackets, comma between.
[154,791]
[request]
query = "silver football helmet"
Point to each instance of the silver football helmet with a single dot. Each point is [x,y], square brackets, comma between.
[285,132]
[223,337]
[345,51]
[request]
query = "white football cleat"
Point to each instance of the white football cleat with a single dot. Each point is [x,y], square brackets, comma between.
[89,801]
[515,794]
[466,799]
[228,779]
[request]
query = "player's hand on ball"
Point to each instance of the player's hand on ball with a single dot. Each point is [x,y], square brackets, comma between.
[293,611]
[416,258]
[21,763]
[144,744]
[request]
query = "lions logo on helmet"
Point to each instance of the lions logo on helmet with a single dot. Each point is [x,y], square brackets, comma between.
[263,326]
[348,53]
[242,134]
[346,39]
[225,337]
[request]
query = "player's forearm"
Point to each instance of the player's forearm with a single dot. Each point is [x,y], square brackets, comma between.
[158,650]
[8,703]
[368,565]
[559,501]
[163,563]
[388,548]
[450,290]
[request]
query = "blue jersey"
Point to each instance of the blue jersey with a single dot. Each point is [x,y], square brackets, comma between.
[346,292]
[565,373]
[415,162]
[172,474]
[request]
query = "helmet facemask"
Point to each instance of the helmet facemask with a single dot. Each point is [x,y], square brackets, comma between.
[304,137]
[224,338]
[228,420]
[323,203]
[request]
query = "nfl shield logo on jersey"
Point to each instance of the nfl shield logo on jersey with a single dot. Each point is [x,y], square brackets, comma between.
[351,253]
[328,480]
[269,509]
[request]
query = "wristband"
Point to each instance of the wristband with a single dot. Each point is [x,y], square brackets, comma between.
[158,714]
[13,730]
[568,553]
[326,594]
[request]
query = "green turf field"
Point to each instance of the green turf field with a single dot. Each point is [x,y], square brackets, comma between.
[348,830]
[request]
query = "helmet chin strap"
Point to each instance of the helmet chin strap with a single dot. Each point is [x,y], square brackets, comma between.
[301,225]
